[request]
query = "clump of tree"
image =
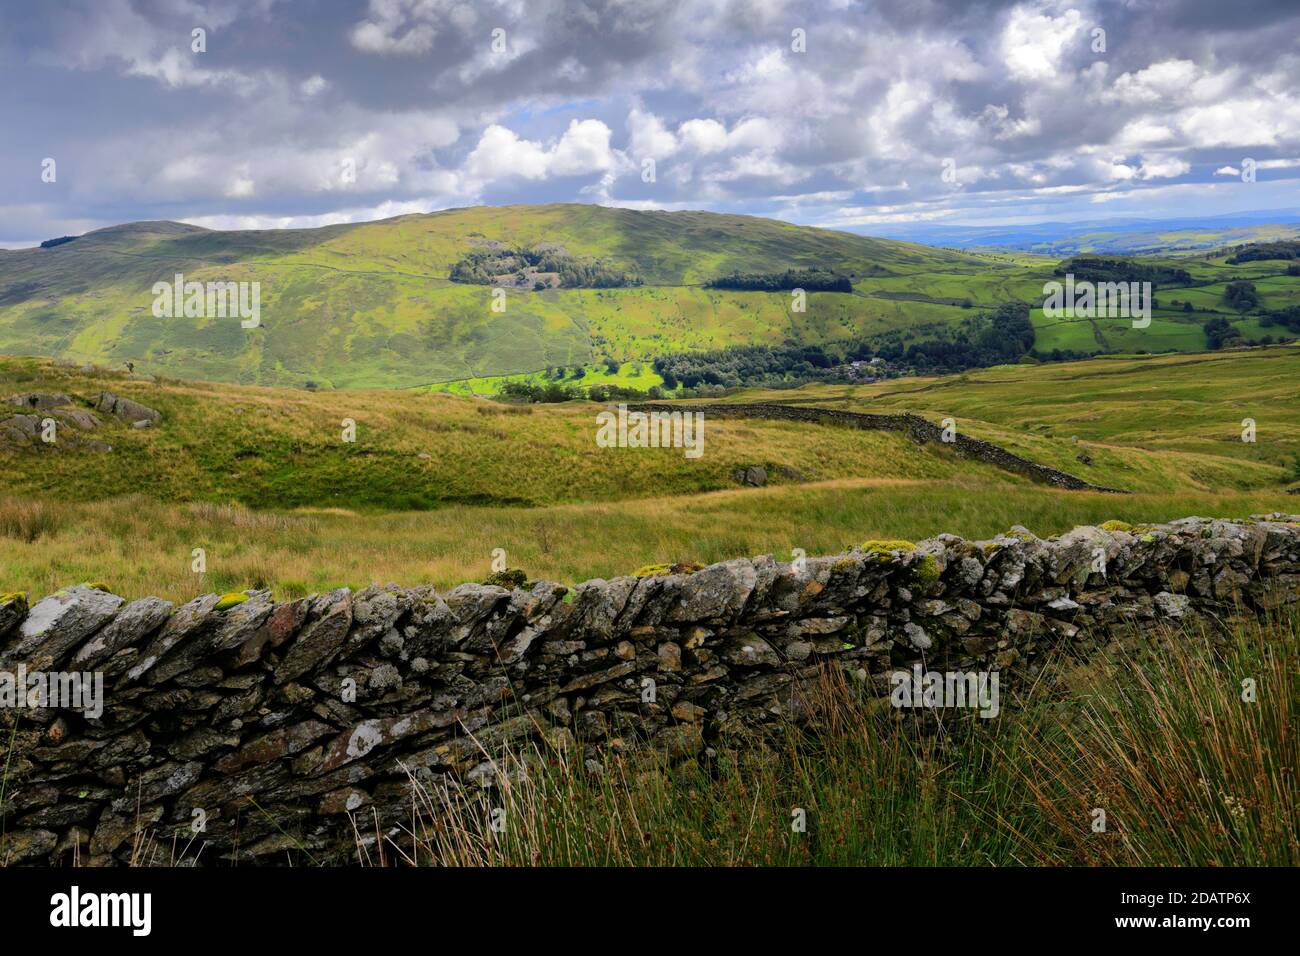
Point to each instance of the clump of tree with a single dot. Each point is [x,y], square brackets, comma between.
[987,338]
[51,243]
[739,365]
[1059,355]
[552,392]
[1282,249]
[1241,295]
[1104,269]
[810,280]
[1288,318]
[521,266]
[1220,332]
[532,393]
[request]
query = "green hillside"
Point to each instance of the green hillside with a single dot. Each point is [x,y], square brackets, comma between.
[374,305]
[434,484]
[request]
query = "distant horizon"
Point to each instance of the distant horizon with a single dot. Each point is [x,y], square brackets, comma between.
[895,231]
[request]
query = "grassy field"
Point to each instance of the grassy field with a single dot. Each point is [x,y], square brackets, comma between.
[283,448]
[1148,423]
[261,480]
[372,305]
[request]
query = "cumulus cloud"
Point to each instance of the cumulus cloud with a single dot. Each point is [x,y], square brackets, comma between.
[395,27]
[1165,167]
[1034,44]
[501,153]
[581,150]
[397,103]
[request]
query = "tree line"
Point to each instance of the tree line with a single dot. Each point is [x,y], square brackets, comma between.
[810,280]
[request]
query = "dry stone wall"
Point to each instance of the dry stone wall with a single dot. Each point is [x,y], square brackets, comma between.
[914,427]
[277,720]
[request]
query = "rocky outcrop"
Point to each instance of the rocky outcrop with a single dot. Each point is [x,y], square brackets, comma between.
[273,722]
[40,401]
[52,421]
[126,410]
[914,426]
[48,420]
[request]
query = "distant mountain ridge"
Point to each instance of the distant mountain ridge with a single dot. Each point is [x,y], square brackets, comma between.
[1118,236]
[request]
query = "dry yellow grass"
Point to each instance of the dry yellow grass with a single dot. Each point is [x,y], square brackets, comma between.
[140,547]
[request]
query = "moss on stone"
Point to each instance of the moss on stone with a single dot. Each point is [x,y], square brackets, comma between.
[844,564]
[660,570]
[1115,525]
[13,597]
[882,551]
[509,579]
[926,571]
[886,546]
[95,585]
[227,601]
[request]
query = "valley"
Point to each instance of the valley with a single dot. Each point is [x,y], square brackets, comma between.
[375,305]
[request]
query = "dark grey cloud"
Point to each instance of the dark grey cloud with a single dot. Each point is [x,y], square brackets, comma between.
[315,111]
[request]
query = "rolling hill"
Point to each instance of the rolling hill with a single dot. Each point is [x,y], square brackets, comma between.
[372,304]
[375,304]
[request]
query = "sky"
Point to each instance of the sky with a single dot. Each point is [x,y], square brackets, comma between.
[848,115]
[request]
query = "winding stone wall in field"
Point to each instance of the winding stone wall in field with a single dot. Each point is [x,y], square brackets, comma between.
[240,710]
[914,427]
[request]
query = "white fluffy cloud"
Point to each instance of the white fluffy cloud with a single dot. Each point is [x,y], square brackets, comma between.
[1034,44]
[1165,167]
[703,135]
[582,149]
[501,153]
[648,136]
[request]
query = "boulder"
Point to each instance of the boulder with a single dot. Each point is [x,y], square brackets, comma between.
[125,409]
[43,401]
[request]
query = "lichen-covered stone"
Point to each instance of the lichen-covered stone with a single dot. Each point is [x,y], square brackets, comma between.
[58,623]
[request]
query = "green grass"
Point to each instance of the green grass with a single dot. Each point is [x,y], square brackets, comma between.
[1149,423]
[1156,735]
[139,547]
[371,304]
[637,375]
[284,448]
[261,479]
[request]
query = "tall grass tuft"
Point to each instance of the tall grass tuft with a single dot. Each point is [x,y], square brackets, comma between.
[1190,749]
[27,519]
